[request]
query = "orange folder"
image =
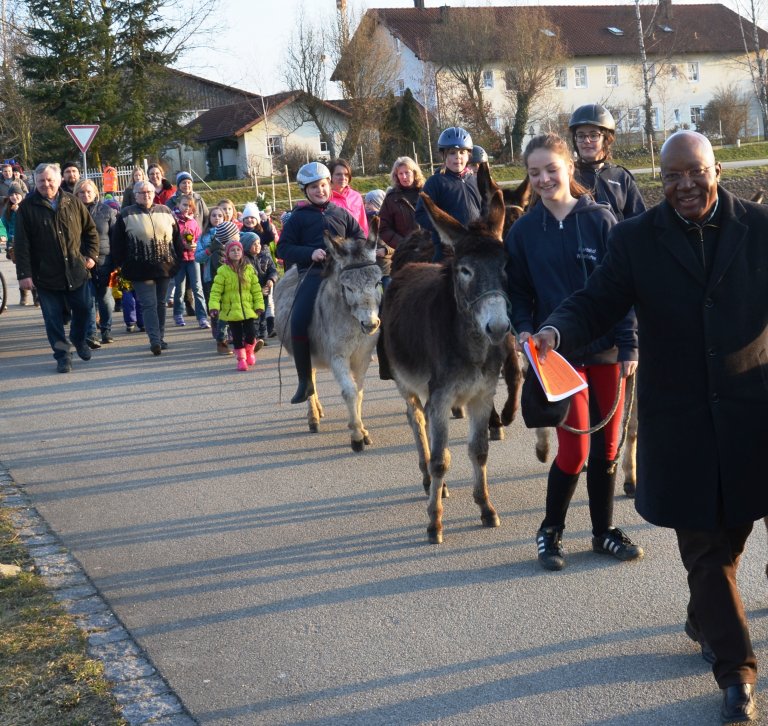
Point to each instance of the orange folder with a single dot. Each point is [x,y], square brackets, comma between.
[557,376]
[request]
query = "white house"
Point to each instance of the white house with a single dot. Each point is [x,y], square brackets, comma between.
[243,138]
[693,50]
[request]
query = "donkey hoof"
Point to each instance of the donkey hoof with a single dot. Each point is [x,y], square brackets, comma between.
[490,520]
[367,440]
[630,489]
[313,428]
[496,434]
[357,446]
[446,493]
[542,454]
[435,535]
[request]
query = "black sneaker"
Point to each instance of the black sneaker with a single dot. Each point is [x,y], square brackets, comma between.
[84,351]
[63,365]
[93,344]
[156,348]
[131,328]
[163,345]
[549,541]
[107,338]
[615,542]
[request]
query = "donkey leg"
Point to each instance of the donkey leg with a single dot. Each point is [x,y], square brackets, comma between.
[349,392]
[629,460]
[478,454]
[418,424]
[513,377]
[313,413]
[542,445]
[359,368]
[440,461]
[495,429]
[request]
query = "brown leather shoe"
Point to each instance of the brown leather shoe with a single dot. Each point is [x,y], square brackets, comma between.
[739,703]
[222,348]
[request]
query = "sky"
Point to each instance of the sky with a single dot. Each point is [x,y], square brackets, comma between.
[249,52]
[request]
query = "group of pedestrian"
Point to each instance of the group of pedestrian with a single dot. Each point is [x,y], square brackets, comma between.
[590,271]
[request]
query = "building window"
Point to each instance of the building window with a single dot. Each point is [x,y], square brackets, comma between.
[676,114]
[323,146]
[693,71]
[580,76]
[487,79]
[274,145]
[633,118]
[696,114]
[561,78]
[497,124]
[612,75]
[400,86]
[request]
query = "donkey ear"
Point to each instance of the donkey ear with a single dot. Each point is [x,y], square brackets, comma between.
[373,232]
[495,219]
[447,227]
[333,244]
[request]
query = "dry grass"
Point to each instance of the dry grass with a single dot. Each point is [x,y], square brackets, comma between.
[46,676]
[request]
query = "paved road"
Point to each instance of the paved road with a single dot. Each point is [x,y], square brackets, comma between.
[275,577]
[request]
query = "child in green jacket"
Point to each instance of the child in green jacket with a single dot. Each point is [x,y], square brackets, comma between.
[236,297]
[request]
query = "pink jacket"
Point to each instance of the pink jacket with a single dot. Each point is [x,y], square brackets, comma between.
[353,203]
[188,227]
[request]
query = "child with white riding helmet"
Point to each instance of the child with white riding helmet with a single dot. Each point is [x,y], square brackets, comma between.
[593,131]
[453,187]
[302,243]
[552,250]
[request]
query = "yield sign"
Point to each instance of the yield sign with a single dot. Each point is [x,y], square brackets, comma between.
[82,134]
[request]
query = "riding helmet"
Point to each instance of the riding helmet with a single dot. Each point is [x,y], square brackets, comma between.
[454,137]
[312,172]
[478,155]
[593,114]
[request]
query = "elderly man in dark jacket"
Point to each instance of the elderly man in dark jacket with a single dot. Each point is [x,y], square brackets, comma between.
[695,267]
[56,245]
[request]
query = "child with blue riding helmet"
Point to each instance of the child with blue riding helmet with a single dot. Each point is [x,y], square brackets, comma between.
[302,243]
[453,187]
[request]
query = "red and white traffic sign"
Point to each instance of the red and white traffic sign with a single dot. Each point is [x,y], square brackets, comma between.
[82,134]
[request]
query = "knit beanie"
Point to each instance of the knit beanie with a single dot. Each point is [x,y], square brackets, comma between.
[248,238]
[68,164]
[181,176]
[15,188]
[230,245]
[251,210]
[375,198]
[226,232]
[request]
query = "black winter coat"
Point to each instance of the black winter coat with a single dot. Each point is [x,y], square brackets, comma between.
[397,216]
[612,185]
[51,246]
[703,374]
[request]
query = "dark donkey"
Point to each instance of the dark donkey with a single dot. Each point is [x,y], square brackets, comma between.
[428,308]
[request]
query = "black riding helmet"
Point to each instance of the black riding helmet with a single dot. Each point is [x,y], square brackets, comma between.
[593,114]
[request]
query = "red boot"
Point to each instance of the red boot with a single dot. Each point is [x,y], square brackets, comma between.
[242,365]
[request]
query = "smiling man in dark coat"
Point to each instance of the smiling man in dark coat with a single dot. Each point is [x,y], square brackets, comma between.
[696,269]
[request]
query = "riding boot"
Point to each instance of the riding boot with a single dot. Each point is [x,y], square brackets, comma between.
[303,361]
[240,354]
[601,483]
[560,489]
[385,372]
[250,355]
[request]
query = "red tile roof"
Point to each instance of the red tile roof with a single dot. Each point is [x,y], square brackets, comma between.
[584,28]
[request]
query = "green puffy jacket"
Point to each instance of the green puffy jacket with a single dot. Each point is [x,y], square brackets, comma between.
[236,300]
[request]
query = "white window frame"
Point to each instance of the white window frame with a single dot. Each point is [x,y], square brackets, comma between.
[323,146]
[275,145]
[694,71]
[488,78]
[697,113]
[561,78]
[612,75]
[633,118]
[400,86]
[580,77]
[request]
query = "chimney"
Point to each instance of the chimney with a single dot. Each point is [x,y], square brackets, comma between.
[418,4]
[665,10]
[444,14]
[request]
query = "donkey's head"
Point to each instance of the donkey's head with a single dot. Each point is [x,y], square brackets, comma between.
[356,273]
[477,267]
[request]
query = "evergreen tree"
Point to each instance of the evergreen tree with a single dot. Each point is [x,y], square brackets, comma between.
[402,127]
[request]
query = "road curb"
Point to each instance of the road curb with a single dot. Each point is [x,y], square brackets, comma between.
[143,695]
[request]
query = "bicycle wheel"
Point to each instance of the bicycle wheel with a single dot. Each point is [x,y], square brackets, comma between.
[3,293]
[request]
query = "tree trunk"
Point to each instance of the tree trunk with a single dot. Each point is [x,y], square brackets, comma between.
[520,126]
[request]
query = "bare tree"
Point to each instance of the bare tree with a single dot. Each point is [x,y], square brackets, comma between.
[465,62]
[367,70]
[530,58]
[646,78]
[725,116]
[756,57]
[304,71]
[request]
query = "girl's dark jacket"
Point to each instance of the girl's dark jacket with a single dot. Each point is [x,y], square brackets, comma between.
[51,245]
[702,383]
[548,260]
[456,194]
[304,232]
[612,185]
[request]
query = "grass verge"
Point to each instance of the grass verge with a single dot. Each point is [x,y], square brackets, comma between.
[46,676]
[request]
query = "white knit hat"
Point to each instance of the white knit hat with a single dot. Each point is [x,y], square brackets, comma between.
[251,210]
